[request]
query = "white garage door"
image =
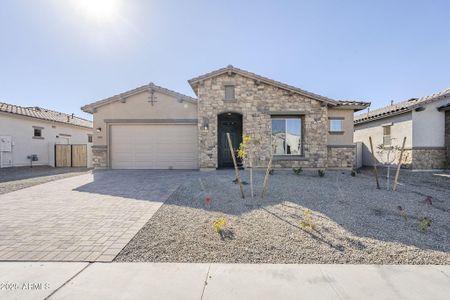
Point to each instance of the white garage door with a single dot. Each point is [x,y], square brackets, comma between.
[154,146]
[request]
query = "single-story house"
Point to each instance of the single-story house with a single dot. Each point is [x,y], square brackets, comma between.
[153,127]
[25,131]
[425,122]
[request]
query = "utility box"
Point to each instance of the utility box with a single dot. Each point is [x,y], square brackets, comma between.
[5,143]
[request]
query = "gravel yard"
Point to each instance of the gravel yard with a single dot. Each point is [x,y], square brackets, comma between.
[351,221]
[17,178]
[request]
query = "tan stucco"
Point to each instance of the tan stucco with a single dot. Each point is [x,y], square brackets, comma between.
[138,107]
[346,138]
[401,127]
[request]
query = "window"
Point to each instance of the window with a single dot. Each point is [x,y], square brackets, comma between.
[37,132]
[387,135]
[229,92]
[89,138]
[336,125]
[287,136]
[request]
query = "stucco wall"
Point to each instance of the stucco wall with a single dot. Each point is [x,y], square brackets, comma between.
[138,107]
[429,125]
[21,130]
[256,102]
[401,127]
[347,137]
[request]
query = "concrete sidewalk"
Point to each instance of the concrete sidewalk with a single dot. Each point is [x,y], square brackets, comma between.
[221,281]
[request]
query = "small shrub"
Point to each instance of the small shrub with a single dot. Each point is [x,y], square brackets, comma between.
[208,200]
[307,222]
[219,224]
[403,213]
[297,171]
[321,173]
[424,224]
[271,171]
[354,173]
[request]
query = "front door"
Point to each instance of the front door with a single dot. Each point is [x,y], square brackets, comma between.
[228,123]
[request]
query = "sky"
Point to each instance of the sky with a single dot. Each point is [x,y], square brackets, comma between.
[63,54]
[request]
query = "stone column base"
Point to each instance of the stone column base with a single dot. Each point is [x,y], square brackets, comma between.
[99,156]
[341,156]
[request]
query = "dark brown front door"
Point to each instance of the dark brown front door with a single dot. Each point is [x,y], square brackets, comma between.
[228,123]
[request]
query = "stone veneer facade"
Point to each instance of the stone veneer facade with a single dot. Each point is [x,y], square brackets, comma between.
[341,156]
[429,158]
[99,156]
[257,102]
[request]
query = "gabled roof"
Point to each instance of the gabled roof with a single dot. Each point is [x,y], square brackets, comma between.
[230,69]
[44,114]
[400,107]
[89,108]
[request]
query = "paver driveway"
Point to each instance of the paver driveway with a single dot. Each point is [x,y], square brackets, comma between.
[89,217]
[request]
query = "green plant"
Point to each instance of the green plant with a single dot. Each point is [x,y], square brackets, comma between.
[424,224]
[271,171]
[354,173]
[321,172]
[403,213]
[297,171]
[219,224]
[307,221]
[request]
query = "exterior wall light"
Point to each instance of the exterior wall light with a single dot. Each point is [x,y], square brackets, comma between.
[205,125]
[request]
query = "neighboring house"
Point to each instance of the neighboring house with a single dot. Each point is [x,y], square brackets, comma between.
[34,130]
[425,122]
[153,127]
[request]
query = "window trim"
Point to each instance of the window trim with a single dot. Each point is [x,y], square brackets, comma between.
[387,135]
[302,135]
[342,131]
[39,129]
[229,85]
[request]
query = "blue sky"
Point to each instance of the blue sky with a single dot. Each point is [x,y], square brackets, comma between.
[60,55]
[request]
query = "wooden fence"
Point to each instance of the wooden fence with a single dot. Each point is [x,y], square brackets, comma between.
[70,155]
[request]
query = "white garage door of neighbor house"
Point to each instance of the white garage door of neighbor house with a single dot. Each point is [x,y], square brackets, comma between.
[154,146]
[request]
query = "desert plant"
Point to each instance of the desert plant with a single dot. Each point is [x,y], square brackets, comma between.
[321,172]
[403,213]
[428,200]
[307,221]
[219,224]
[424,224]
[208,200]
[297,171]
[245,153]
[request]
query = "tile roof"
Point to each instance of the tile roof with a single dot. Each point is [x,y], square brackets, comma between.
[151,86]
[44,114]
[400,107]
[358,105]
[232,69]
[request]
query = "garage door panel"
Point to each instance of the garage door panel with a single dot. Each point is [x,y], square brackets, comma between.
[154,146]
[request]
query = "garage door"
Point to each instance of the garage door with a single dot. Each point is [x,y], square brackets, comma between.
[153,146]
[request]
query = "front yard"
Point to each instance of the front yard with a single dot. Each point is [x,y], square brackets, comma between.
[303,219]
